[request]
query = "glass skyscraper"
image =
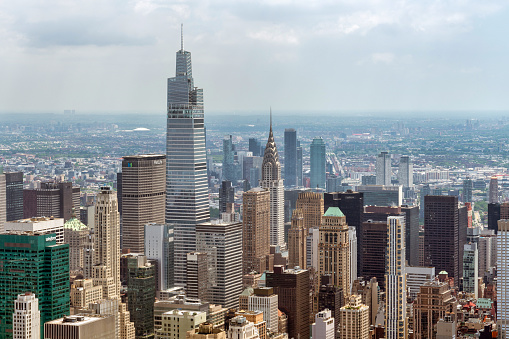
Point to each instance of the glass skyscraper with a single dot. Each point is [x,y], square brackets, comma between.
[290,157]
[317,159]
[187,201]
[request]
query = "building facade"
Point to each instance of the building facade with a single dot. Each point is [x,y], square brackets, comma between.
[143,197]
[317,163]
[383,169]
[503,277]
[323,326]
[290,157]
[14,195]
[354,319]
[297,236]
[405,172]
[26,320]
[159,247]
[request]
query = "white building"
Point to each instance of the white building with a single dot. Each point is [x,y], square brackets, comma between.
[503,278]
[312,241]
[323,327]
[159,247]
[405,172]
[41,225]
[395,280]
[416,276]
[265,300]
[352,241]
[176,323]
[26,319]
[240,328]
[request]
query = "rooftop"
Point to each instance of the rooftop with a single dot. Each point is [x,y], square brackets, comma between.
[333,212]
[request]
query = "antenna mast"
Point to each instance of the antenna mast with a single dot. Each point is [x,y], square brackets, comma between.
[181,37]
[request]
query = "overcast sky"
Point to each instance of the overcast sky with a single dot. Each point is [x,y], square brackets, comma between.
[307,55]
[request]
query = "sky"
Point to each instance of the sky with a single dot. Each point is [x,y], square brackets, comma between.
[302,55]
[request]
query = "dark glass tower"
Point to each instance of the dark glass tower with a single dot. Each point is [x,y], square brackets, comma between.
[187,201]
[14,195]
[290,157]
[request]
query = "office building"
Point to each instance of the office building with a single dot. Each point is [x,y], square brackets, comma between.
[368,290]
[352,254]
[323,326]
[496,212]
[487,251]
[187,199]
[291,195]
[503,277]
[411,234]
[334,249]
[51,200]
[354,319]
[311,204]
[297,236]
[434,302]
[159,247]
[176,323]
[442,234]
[317,163]
[383,169]
[252,170]
[255,317]
[373,244]
[292,288]
[106,261]
[197,276]
[141,293]
[470,269]
[83,293]
[81,326]
[271,180]
[223,245]
[255,146]
[77,235]
[290,157]
[405,172]
[299,164]
[312,251]
[255,230]
[395,280]
[492,193]
[47,278]
[41,225]
[14,195]
[265,300]
[229,160]
[241,328]
[330,297]
[26,319]
[467,190]
[226,195]
[143,197]
[382,195]
[416,276]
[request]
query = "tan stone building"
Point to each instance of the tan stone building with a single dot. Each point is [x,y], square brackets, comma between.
[82,326]
[333,249]
[206,331]
[311,205]
[256,317]
[256,230]
[77,235]
[354,319]
[297,236]
[83,293]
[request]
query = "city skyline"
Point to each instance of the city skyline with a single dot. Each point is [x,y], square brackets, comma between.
[377,55]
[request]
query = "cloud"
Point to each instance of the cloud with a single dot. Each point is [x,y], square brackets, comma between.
[276,34]
[385,58]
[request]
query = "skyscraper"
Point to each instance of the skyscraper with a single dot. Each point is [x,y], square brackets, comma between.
[383,169]
[228,159]
[143,197]
[52,199]
[26,320]
[14,195]
[470,269]
[77,235]
[467,190]
[354,319]
[187,202]
[311,205]
[395,280]
[297,236]
[255,230]
[271,180]
[299,164]
[226,195]
[493,191]
[159,247]
[503,277]
[411,234]
[334,254]
[290,157]
[317,160]
[405,172]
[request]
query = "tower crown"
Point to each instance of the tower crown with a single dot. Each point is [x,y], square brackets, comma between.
[271,167]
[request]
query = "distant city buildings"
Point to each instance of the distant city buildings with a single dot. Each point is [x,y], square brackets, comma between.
[290,153]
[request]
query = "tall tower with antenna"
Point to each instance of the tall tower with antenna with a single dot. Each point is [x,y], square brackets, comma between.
[187,202]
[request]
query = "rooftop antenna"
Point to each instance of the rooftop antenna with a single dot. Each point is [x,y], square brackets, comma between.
[271,118]
[181,37]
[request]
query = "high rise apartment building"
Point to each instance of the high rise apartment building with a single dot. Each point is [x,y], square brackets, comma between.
[26,320]
[51,200]
[395,280]
[291,157]
[405,172]
[383,169]
[317,163]
[271,180]
[255,230]
[47,277]
[187,202]
[503,277]
[222,243]
[143,197]
[334,249]
[14,195]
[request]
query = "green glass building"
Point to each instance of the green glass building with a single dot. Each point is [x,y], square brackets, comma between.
[33,263]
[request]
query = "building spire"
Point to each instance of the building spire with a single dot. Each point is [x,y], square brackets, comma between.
[271,119]
[181,37]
